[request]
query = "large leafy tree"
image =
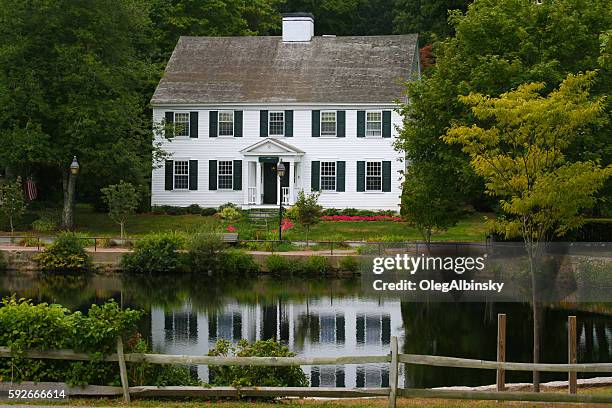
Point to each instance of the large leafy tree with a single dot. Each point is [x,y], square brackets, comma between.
[347,17]
[72,80]
[518,145]
[173,18]
[498,45]
[429,18]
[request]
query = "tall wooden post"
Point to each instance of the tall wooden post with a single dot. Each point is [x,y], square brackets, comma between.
[501,350]
[571,354]
[393,373]
[123,371]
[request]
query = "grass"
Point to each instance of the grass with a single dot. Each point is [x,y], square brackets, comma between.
[471,229]
[310,403]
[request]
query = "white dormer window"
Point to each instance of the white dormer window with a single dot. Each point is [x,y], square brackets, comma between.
[374,123]
[276,123]
[226,123]
[328,123]
[181,124]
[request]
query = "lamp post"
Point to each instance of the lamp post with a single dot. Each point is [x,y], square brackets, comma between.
[69,195]
[280,170]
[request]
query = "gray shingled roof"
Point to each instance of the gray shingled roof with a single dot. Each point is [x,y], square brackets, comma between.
[266,69]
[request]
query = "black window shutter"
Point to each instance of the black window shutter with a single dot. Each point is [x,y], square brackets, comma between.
[169,175]
[212,174]
[315,167]
[193,124]
[263,123]
[341,124]
[169,121]
[360,123]
[237,123]
[237,174]
[288,123]
[212,123]
[316,123]
[386,173]
[340,175]
[360,176]
[193,174]
[386,125]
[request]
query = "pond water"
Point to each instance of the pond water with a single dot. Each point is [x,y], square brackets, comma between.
[188,314]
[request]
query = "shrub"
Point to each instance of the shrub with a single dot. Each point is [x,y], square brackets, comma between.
[157,253]
[24,325]
[349,264]
[204,253]
[277,264]
[168,210]
[207,212]
[246,376]
[194,209]
[30,242]
[230,214]
[44,225]
[66,254]
[227,205]
[237,262]
[316,265]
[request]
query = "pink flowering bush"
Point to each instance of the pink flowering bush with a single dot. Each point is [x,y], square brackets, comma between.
[360,218]
[286,224]
[231,228]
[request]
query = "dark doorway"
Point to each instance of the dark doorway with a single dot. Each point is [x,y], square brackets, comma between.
[269,183]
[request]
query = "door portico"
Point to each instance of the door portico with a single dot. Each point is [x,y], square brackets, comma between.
[260,176]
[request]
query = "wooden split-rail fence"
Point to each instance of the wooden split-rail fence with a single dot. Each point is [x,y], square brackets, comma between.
[394,359]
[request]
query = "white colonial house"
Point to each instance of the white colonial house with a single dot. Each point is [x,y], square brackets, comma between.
[324,106]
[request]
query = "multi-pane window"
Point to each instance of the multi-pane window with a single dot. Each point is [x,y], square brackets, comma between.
[328,123]
[181,174]
[328,176]
[373,123]
[226,123]
[181,124]
[225,175]
[276,123]
[373,181]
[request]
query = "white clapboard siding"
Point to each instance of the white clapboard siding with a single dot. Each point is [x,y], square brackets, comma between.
[350,149]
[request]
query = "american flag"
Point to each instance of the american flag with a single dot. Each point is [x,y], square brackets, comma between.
[30,186]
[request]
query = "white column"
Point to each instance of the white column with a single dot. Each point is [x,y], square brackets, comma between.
[258,182]
[246,165]
[278,188]
[291,178]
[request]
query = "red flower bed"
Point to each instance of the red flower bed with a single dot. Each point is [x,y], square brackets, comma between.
[360,218]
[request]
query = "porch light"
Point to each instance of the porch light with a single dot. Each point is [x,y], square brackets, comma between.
[74,166]
[280,169]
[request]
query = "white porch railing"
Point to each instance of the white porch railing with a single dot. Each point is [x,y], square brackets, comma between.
[285,195]
[252,197]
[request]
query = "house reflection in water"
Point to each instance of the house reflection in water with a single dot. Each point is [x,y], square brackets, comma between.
[320,328]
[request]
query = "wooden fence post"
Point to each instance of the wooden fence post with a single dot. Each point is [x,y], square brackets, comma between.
[393,373]
[123,370]
[501,350]
[572,382]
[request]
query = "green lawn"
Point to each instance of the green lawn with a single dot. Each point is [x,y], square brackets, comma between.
[472,228]
[310,403]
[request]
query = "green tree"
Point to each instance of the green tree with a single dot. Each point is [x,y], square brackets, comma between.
[518,146]
[347,17]
[429,18]
[307,210]
[12,201]
[74,77]
[122,201]
[498,45]
[173,18]
[429,201]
